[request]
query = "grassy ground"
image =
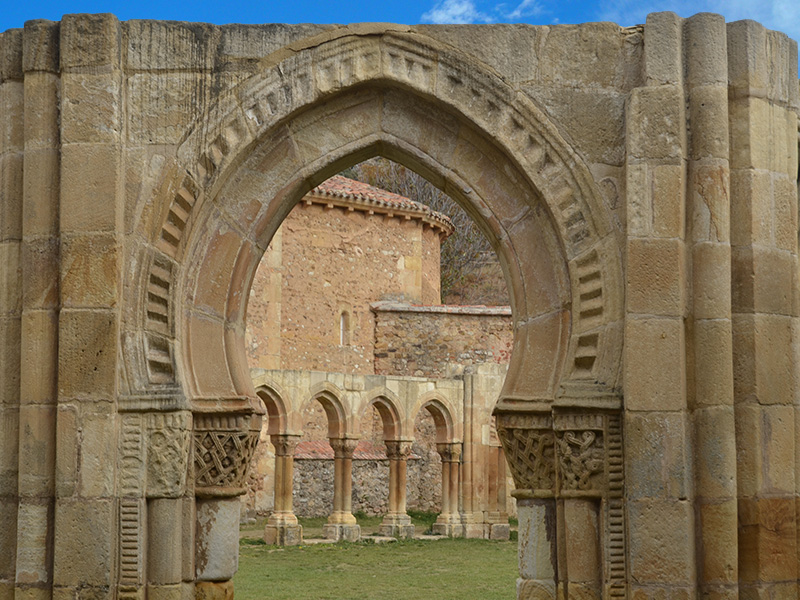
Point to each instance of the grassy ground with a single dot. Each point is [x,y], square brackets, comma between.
[404,570]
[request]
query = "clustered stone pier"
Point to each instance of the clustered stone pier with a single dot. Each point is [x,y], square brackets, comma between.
[638,184]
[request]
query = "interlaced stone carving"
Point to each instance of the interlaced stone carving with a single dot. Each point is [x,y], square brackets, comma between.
[167,454]
[580,458]
[221,458]
[223,447]
[531,457]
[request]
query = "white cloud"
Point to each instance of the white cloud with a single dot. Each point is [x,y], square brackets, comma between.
[782,15]
[455,12]
[526,8]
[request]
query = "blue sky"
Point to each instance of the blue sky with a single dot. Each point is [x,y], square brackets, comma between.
[783,15]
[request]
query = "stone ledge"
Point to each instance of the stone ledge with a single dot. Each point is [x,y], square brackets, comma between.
[392,306]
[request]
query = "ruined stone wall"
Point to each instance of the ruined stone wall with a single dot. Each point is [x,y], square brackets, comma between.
[429,341]
[323,262]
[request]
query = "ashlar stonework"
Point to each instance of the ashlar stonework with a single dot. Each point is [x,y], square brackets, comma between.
[640,188]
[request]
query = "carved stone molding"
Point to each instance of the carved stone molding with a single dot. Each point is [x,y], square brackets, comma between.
[223,447]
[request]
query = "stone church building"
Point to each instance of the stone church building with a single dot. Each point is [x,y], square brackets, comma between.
[348,293]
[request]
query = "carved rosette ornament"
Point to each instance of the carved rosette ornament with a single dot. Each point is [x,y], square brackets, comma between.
[529,445]
[223,447]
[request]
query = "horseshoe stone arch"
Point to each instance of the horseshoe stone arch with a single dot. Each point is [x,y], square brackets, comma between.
[639,186]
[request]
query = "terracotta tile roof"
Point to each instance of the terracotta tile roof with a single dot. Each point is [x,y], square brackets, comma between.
[366,197]
[365,450]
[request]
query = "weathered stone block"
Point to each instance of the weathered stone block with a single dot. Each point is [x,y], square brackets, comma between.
[658,465]
[661,541]
[89,188]
[655,277]
[89,271]
[91,108]
[87,365]
[89,41]
[36,449]
[40,181]
[657,129]
[650,342]
[84,538]
[217,550]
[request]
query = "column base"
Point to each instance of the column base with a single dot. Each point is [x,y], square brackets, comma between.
[536,589]
[342,532]
[499,531]
[397,525]
[283,534]
[447,526]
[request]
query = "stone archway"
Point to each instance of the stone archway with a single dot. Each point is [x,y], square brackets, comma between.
[498,156]
[146,165]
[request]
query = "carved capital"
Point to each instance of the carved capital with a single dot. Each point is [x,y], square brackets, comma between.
[397,449]
[581,460]
[285,444]
[449,452]
[581,452]
[167,453]
[529,446]
[223,447]
[343,447]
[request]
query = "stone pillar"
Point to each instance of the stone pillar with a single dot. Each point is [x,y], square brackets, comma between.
[657,422]
[282,527]
[40,309]
[397,523]
[763,108]
[449,522]
[497,515]
[529,444]
[11,166]
[708,232]
[341,525]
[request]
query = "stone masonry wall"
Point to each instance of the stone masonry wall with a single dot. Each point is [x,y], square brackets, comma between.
[323,262]
[426,341]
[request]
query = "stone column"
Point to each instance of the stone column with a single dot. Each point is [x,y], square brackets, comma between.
[497,515]
[529,444]
[397,523]
[708,236]
[224,445]
[342,524]
[12,98]
[449,521]
[39,326]
[282,527]
[763,106]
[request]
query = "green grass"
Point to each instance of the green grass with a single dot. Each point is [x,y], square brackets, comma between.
[403,570]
